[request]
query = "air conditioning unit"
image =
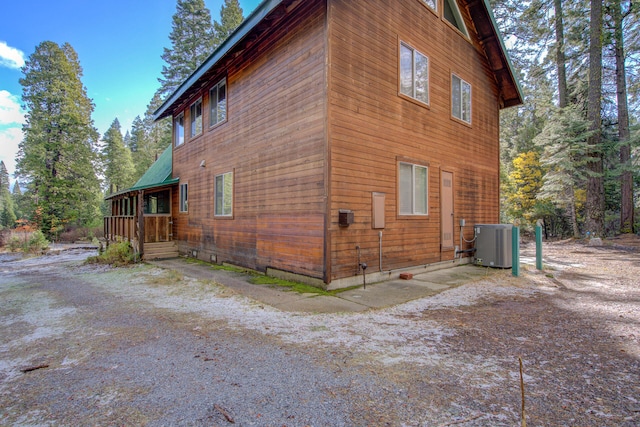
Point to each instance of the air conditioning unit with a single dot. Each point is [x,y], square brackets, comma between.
[493,245]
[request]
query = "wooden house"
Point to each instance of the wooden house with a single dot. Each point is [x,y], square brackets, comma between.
[328,134]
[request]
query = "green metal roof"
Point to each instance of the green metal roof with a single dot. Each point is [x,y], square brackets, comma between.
[158,174]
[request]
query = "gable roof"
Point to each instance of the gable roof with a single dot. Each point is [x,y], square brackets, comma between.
[269,12]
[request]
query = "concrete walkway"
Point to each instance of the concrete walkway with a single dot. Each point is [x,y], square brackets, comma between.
[376,295]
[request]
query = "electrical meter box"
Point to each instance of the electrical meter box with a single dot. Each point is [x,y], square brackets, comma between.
[493,245]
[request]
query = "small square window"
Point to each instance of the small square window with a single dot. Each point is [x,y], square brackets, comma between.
[413,180]
[414,74]
[218,103]
[184,198]
[460,99]
[224,194]
[196,118]
[179,130]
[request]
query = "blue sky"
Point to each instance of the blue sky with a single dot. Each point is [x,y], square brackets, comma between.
[119,44]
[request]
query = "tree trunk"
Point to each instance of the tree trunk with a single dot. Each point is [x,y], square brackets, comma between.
[626,178]
[595,206]
[560,58]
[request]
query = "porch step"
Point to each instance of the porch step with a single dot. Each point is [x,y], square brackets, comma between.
[160,250]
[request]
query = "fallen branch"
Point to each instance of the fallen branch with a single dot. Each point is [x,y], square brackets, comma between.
[466,420]
[33,368]
[524,419]
[224,413]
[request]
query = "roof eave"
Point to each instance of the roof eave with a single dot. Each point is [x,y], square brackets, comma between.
[507,73]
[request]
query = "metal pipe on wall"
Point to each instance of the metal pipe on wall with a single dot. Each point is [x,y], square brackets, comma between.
[380,249]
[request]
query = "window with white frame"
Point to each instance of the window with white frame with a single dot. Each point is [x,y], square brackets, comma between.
[414,73]
[218,103]
[184,197]
[460,99]
[178,127]
[224,194]
[196,118]
[412,189]
[453,16]
[433,4]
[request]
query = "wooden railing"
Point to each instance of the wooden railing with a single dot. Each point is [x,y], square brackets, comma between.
[157,228]
[119,228]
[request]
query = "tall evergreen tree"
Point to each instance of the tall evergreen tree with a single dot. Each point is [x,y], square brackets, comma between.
[595,204]
[119,170]
[192,41]
[230,18]
[57,156]
[627,217]
[7,213]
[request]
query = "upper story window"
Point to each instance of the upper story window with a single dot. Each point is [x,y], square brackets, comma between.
[433,4]
[454,17]
[196,118]
[178,127]
[460,99]
[412,189]
[218,103]
[224,194]
[414,74]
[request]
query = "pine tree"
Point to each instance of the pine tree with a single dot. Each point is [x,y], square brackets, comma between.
[564,144]
[57,156]
[230,18]
[119,170]
[192,41]
[7,213]
[595,181]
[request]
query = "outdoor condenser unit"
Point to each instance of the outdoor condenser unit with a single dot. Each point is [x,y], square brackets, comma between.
[493,245]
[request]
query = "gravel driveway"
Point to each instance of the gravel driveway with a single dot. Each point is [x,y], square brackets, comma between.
[87,345]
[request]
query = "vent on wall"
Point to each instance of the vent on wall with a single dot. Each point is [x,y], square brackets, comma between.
[493,245]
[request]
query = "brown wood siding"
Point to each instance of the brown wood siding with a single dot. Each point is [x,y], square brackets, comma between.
[371,127]
[274,141]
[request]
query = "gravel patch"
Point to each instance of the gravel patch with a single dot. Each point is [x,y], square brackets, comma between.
[146,346]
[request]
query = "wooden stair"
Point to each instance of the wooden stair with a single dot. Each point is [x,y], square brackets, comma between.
[160,250]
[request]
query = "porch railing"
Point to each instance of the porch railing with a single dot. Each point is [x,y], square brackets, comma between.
[157,228]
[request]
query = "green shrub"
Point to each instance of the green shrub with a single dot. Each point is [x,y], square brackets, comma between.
[36,243]
[14,243]
[117,254]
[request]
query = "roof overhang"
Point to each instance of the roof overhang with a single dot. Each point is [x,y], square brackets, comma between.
[496,51]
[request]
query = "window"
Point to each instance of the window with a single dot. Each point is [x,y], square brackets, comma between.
[218,103]
[460,99]
[412,189]
[433,4]
[414,74]
[184,197]
[224,194]
[453,16]
[196,118]
[157,203]
[179,130]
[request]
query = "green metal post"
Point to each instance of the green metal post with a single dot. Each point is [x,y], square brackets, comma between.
[515,251]
[538,247]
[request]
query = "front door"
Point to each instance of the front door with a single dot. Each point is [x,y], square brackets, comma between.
[446,210]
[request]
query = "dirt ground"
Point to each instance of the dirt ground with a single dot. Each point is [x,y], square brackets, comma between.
[85,345]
